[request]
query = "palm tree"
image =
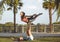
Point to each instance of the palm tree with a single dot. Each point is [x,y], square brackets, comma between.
[15,4]
[52,4]
[49,4]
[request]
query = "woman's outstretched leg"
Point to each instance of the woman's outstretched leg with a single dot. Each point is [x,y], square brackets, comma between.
[33,17]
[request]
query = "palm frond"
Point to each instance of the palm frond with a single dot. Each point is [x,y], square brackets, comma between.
[57,3]
[1,10]
[1,3]
[1,7]
[45,5]
[58,13]
[9,2]
[45,0]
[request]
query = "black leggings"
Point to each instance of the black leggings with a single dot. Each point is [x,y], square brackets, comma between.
[32,18]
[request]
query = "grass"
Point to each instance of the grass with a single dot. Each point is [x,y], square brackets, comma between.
[46,39]
[5,40]
[42,39]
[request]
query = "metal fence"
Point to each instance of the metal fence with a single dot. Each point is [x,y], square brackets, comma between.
[35,28]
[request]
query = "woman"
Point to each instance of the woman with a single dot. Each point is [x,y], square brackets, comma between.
[28,18]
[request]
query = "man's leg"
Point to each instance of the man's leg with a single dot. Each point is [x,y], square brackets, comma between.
[29,33]
[28,29]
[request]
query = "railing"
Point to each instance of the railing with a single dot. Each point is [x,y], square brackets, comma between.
[35,28]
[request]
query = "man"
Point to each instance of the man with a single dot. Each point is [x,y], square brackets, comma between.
[28,20]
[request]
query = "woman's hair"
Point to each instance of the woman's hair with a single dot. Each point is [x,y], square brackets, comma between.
[23,13]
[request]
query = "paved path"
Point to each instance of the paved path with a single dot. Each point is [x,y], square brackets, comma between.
[36,35]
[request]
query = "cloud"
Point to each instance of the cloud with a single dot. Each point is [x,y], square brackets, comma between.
[38,0]
[30,7]
[0,0]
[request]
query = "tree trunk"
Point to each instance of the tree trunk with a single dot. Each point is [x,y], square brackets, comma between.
[50,17]
[14,19]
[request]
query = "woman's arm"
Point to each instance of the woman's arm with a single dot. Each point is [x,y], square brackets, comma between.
[30,16]
[34,15]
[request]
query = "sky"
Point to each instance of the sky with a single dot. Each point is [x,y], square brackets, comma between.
[30,7]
